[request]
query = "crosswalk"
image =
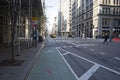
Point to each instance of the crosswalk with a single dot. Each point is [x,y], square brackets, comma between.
[71,42]
[75,41]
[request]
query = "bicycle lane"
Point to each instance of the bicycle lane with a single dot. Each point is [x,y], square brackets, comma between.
[50,66]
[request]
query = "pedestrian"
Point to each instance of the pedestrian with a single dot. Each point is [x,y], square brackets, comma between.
[105,38]
[34,35]
[69,35]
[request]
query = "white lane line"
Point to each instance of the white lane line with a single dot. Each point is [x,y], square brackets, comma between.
[109,69]
[117,58]
[102,53]
[57,47]
[64,46]
[89,73]
[92,49]
[77,46]
[67,64]
[70,46]
[73,43]
[96,63]
[65,53]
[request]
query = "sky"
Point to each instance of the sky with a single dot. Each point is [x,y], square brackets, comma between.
[51,12]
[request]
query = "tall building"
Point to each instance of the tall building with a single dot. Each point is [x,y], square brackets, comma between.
[64,18]
[94,18]
[54,28]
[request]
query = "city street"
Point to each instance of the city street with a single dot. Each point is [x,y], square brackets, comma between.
[77,59]
[60,40]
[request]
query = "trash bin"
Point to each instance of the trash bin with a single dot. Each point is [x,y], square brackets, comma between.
[40,39]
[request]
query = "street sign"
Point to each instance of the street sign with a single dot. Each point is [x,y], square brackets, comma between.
[34,22]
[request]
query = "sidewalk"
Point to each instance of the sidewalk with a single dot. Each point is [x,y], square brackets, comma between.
[26,61]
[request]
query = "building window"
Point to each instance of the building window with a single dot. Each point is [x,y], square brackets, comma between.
[109,1]
[91,5]
[106,21]
[105,1]
[87,1]
[109,10]
[103,10]
[102,1]
[117,11]
[113,10]
[117,2]
[114,1]
[91,13]
[87,15]
[82,17]
[116,22]
[87,8]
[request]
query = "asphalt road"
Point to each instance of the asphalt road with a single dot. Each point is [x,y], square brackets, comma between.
[90,59]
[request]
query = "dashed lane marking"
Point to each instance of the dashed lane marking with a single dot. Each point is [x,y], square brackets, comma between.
[89,73]
[77,46]
[67,64]
[66,46]
[92,49]
[65,53]
[117,58]
[70,46]
[102,53]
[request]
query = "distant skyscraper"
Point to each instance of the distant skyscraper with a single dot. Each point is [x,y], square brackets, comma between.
[54,29]
[64,17]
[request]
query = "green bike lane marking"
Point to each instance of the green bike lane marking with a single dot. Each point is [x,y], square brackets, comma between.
[50,66]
